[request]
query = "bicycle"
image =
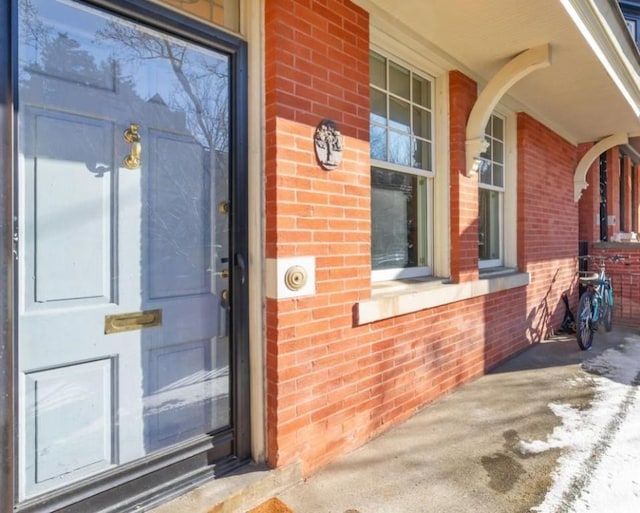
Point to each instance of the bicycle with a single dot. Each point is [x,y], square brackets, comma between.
[596,302]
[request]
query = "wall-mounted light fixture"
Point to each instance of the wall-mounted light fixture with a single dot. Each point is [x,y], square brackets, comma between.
[475,163]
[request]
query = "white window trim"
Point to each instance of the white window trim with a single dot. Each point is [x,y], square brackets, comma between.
[497,262]
[393,298]
[438,233]
[509,211]
[401,298]
[510,198]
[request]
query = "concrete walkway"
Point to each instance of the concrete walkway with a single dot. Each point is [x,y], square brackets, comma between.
[461,454]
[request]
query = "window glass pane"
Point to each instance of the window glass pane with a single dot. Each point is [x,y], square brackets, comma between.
[497,151]
[399,80]
[422,92]
[394,219]
[422,155]
[400,104]
[399,115]
[489,225]
[377,70]
[378,141]
[421,123]
[485,172]
[378,107]
[486,154]
[399,148]
[498,127]
[498,175]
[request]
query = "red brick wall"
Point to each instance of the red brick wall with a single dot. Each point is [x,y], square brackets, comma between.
[547,219]
[464,190]
[333,385]
[317,66]
[625,275]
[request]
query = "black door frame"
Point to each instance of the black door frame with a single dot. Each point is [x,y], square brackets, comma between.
[142,482]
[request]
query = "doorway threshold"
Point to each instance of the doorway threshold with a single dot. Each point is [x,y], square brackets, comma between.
[238,491]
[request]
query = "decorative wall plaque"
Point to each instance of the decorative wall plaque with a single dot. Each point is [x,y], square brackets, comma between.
[328,144]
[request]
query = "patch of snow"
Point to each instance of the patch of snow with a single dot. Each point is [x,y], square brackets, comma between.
[597,472]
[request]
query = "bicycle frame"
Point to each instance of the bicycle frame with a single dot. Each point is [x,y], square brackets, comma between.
[599,287]
[596,302]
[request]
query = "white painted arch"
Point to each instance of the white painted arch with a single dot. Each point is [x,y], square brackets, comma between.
[580,175]
[516,69]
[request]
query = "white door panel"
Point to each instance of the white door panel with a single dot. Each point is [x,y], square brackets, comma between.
[70,262]
[69,411]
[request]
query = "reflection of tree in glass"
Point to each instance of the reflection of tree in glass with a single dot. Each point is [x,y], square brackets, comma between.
[82,78]
[200,91]
[116,64]
[47,51]
[33,32]
[399,148]
[203,82]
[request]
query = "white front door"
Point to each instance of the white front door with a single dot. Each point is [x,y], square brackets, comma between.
[123,242]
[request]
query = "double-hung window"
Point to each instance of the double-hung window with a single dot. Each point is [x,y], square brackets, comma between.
[491,185]
[402,172]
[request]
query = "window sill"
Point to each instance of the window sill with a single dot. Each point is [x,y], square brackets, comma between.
[401,297]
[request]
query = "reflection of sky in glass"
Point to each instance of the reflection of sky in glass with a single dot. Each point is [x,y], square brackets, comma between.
[493,171]
[57,17]
[399,148]
[400,119]
[378,138]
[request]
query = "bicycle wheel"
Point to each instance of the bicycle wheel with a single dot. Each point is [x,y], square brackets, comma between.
[584,331]
[607,309]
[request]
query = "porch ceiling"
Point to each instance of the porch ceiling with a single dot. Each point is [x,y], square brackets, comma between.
[575,96]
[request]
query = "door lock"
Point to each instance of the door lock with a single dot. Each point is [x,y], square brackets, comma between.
[223,207]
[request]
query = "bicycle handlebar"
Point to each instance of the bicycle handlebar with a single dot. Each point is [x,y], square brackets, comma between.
[602,258]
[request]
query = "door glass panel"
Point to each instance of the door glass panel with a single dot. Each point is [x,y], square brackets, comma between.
[123,152]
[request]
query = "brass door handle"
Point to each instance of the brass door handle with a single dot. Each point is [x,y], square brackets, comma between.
[132,136]
[132,321]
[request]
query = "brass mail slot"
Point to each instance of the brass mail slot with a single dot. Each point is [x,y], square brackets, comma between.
[132,321]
